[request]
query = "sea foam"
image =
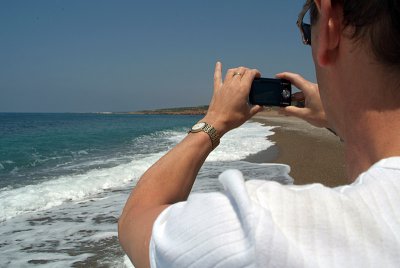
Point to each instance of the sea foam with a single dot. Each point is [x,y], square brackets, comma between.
[236,145]
[68,188]
[71,218]
[241,142]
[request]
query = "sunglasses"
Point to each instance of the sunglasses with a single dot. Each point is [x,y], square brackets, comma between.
[305,28]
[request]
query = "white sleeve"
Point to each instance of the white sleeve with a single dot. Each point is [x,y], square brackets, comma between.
[217,230]
[265,224]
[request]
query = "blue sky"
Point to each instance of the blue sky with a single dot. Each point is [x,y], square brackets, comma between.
[120,55]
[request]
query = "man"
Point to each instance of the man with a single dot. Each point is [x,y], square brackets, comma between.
[355,47]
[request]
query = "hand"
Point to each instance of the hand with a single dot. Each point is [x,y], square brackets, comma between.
[313,112]
[229,106]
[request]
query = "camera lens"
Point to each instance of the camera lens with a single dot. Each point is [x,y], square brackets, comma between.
[285,94]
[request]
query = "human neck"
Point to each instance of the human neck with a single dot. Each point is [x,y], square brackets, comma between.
[376,137]
[371,119]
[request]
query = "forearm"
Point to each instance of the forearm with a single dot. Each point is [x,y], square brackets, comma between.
[170,179]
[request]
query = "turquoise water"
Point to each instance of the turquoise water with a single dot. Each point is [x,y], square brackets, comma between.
[39,147]
[64,179]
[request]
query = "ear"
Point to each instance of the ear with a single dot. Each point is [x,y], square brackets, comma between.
[330,30]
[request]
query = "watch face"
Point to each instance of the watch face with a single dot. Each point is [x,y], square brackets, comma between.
[198,126]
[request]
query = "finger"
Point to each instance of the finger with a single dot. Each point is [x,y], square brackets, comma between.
[256,109]
[249,76]
[231,73]
[295,111]
[218,75]
[298,96]
[281,110]
[239,73]
[296,79]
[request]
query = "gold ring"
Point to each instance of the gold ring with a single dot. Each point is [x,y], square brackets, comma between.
[237,74]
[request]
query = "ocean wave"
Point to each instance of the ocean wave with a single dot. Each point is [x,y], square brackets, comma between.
[53,193]
[14,170]
[71,220]
[242,142]
[66,236]
[4,164]
[158,141]
[236,145]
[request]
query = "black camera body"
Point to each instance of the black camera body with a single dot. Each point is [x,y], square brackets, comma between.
[270,92]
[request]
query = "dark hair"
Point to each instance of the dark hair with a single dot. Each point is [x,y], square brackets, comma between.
[375,21]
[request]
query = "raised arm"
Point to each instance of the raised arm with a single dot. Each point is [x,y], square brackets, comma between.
[171,178]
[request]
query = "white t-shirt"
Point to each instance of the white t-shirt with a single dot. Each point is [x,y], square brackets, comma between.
[266,224]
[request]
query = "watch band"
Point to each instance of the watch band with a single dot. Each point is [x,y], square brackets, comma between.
[210,130]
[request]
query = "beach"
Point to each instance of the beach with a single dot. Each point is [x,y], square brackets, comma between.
[62,190]
[315,155]
[64,179]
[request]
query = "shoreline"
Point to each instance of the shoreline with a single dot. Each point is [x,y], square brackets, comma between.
[314,155]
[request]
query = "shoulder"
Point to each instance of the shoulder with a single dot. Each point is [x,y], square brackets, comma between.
[379,182]
[259,223]
[214,229]
[383,171]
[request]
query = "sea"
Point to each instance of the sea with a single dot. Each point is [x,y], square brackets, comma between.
[65,177]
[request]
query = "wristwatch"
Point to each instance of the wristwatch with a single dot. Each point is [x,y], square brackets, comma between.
[209,129]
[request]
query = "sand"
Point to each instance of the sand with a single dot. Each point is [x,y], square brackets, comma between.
[315,155]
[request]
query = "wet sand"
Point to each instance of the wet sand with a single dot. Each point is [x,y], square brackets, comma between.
[315,155]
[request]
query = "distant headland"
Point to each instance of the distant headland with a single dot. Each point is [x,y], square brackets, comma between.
[198,110]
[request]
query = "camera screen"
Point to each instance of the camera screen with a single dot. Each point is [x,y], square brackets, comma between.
[270,92]
[267,91]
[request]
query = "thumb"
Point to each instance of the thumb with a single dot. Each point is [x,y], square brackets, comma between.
[256,109]
[295,111]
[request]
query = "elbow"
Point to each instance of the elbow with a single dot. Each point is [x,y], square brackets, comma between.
[123,227]
[126,225]
[121,230]
[133,240]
